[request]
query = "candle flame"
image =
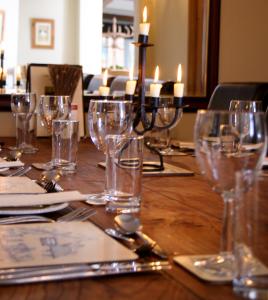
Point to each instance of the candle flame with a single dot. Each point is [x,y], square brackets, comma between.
[179,74]
[156,74]
[104,77]
[131,73]
[144,14]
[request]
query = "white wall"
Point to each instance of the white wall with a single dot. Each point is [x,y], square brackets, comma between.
[49,9]
[90,35]
[11,27]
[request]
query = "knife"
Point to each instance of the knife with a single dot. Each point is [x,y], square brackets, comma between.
[155,248]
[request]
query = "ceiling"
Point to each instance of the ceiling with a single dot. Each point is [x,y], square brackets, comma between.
[119,7]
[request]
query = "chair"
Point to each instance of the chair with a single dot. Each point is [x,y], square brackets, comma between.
[225,92]
[44,79]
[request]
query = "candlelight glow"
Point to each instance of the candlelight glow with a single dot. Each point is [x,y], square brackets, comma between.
[104,77]
[179,74]
[156,74]
[18,73]
[131,73]
[144,19]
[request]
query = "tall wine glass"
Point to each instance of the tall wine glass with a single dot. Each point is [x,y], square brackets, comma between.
[107,117]
[54,108]
[23,106]
[222,148]
[161,138]
[165,115]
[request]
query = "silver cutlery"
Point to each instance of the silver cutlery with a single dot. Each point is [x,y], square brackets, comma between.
[21,172]
[13,173]
[79,214]
[118,235]
[127,224]
[48,273]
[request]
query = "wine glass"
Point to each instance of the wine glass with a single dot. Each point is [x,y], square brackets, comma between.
[245,105]
[23,107]
[221,149]
[165,115]
[107,117]
[54,108]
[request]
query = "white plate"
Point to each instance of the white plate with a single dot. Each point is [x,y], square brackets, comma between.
[32,209]
[3,169]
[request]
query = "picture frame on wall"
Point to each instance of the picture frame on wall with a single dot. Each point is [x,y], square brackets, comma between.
[42,33]
[2,25]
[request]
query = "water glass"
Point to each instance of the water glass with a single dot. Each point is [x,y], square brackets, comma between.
[65,145]
[250,234]
[123,173]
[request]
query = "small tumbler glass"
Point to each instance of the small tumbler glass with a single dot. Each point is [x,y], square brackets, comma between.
[124,158]
[250,235]
[65,145]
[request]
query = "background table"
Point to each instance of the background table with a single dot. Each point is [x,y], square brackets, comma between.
[181,213]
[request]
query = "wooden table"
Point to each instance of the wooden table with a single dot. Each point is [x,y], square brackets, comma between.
[181,213]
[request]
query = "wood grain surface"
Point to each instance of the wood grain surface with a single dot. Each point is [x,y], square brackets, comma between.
[181,213]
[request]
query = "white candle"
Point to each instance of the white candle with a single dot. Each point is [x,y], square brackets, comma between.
[131,84]
[155,87]
[18,73]
[104,90]
[144,26]
[178,86]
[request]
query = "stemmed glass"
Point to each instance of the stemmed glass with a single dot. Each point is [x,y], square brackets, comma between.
[107,117]
[165,115]
[53,108]
[245,105]
[222,148]
[23,106]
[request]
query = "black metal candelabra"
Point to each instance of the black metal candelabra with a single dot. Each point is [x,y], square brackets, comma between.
[146,111]
[2,81]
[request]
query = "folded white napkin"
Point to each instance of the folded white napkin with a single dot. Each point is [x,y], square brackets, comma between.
[265,162]
[11,164]
[18,200]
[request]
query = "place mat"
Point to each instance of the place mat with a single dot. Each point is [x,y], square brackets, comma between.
[19,185]
[19,200]
[187,261]
[169,170]
[27,245]
[10,164]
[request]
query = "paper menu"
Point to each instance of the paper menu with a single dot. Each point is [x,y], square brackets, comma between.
[14,185]
[44,244]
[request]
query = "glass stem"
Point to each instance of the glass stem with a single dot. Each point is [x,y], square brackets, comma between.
[227,226]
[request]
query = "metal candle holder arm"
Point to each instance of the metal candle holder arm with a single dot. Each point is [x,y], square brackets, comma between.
[141,108]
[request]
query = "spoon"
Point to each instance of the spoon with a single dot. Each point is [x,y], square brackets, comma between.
[13,155]
[118,235]
[127,224]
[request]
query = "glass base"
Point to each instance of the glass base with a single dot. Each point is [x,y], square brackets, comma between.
[96,199]
[220,265]
[123,205]
[252,288]
[27,148]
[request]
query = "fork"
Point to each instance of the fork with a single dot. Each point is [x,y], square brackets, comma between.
[79,214]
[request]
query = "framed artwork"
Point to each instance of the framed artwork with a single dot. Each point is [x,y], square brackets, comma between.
[42,33]
[2,25]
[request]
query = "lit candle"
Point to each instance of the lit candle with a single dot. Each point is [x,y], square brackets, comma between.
[18,75]
[155,87]
[104,90]
[178,86]
[144,26]
[131,84]
[2,52]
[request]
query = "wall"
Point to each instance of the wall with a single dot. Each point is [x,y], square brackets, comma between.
[51,9]
[11,26]
[243,41]
[169,19]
